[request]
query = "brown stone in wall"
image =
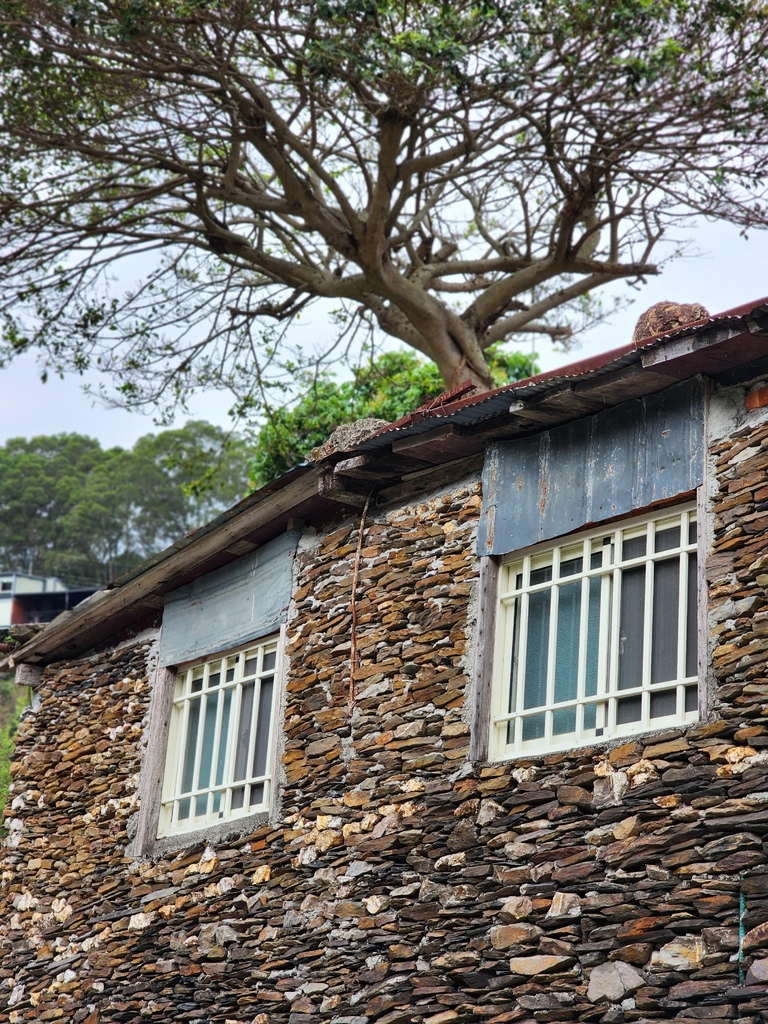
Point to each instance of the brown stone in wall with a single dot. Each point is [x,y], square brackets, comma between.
[399,882]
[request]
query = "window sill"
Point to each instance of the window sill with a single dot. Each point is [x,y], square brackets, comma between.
[215,835]
[597,748]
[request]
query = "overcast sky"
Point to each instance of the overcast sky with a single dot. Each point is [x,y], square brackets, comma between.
[729,271]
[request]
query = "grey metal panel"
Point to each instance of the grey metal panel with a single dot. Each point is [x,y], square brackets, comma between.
[241,601]
[613,463]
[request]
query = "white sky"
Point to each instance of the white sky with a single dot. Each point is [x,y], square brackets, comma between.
[729,271]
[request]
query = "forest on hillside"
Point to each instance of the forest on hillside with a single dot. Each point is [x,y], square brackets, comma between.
[70,508]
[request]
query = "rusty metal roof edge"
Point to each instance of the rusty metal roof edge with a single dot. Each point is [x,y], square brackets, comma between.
[467,410]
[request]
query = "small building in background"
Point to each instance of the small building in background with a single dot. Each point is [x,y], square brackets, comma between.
[25,597]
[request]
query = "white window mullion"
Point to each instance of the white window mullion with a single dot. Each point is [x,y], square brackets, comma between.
[650,579]
[522,653]
[682,617]
[234,722]
[217,738]
[554,608]
[182,733]
[615,636]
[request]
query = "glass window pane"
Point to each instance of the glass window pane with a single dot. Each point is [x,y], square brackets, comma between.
[667,538]
[692,623]
[512,703]
[666,603]
[633,547]
[567,653]
[542,575]
[590,716]
[593,636]
[691,698]
[563,721]
[243,737]
[533,727]
[190,745]
[214,679]
[262,728]
[631,628]
[630,709]
[268,664]
[197,679]
[183,812]
[238,795]
[209,733]
[224,740]
[251,664]
[535,690]
[663,704]
[692,532]
[570,566]
[257,794]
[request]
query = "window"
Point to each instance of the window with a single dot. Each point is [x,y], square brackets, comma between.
[220,740]
[6,585]
[597,636]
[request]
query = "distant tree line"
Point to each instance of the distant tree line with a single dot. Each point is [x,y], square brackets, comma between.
[71,509]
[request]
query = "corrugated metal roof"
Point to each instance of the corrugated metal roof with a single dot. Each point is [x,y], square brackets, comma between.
[472,409]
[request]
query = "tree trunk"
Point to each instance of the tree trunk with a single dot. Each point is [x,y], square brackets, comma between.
[460,358]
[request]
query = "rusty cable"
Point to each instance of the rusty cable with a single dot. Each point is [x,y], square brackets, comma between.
[354,661]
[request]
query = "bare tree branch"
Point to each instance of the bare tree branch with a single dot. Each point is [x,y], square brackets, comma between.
[452,175]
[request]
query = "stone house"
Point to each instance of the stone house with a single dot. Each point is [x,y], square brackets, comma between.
[466,722]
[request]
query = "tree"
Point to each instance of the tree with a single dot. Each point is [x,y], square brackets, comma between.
[449,174]
[386,388]
[40,481]
[70,509]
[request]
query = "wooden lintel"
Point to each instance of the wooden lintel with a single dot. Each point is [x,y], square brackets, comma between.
[424,479]
[443,444]
[359,467]
[348,466]
[241,547]
[331,487]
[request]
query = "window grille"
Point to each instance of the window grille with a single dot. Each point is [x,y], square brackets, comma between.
[597,636]
[220,740]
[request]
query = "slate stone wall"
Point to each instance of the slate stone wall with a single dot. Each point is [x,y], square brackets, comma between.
[400,883]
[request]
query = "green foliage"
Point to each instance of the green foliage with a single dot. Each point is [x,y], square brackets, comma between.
[70,509]
[13,700]
[181,181]
[386,388]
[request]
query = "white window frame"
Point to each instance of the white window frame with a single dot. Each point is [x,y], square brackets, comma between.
[517,584]
[227,791]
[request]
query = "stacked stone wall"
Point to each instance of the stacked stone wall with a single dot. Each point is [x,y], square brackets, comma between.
[399,883]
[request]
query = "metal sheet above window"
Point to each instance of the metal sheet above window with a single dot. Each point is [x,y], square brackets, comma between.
[609,464]
[241,601]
